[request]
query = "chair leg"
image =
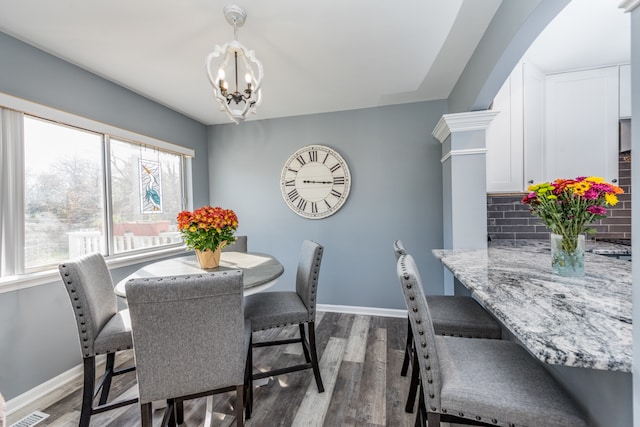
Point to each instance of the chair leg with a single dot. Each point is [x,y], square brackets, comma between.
[146,415]
[314,356]
[108,374]
[170,414]
[87,392]
[433,419]
[304,343]
[179,412]
[413,386]
[239,406]
[407,350]
[248,381]
[422,416]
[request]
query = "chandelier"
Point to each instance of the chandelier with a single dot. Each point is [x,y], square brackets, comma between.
[233,59]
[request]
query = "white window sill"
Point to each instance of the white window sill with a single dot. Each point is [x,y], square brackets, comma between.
[14,283]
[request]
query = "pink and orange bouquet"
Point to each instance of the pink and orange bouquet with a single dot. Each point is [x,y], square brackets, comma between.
[568,206]
[207,227]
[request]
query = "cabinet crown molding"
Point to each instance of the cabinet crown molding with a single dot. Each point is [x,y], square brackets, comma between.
[629,5]
[462,122]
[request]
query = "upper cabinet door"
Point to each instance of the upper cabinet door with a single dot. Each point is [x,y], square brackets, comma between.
[504,138]
[625,91]
[581,124]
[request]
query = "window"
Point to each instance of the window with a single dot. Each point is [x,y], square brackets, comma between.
[82,190]
[63,191]
[146,189]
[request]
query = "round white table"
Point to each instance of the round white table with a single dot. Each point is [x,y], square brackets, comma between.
[260,271]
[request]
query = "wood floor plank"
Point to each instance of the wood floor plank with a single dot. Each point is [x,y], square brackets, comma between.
[377,380]
[397,390]
[275,403]
[313,408]
[345,395]
[357,344]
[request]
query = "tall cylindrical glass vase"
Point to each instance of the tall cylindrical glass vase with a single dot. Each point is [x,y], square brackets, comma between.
[567,255]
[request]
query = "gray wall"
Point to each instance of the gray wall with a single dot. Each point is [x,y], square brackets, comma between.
[396,193]
[38,339]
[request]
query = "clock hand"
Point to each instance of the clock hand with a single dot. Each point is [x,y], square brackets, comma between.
[307,181]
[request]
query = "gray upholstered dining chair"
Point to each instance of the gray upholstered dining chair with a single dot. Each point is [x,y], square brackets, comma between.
[495,382]
[458,315]
[102,329]
[240,245]
[275,309]
[190,340]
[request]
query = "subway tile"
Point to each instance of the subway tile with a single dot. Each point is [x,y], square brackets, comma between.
[495,214]
[538,236]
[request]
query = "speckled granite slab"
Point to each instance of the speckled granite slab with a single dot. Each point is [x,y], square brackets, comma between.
[581,322]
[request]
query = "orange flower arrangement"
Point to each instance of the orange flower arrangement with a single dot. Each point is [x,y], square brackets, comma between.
[207,227]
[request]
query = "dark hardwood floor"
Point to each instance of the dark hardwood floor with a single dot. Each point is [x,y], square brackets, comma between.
[360,361]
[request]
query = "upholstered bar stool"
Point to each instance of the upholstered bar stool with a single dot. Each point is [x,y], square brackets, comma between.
[102,329]
[240,245]
[268,310]
[190,340]
[479,381]
[459,316]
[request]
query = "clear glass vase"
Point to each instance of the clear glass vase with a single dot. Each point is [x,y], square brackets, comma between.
[567,255]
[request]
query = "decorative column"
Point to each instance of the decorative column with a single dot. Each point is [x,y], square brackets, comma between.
[464,182]
[633,7]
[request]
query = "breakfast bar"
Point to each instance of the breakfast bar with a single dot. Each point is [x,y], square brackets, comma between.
[569,323]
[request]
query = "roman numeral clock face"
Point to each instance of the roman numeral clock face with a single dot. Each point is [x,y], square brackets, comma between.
[315,182]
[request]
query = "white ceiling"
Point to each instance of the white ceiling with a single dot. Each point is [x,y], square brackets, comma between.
[585,34]
[330,55]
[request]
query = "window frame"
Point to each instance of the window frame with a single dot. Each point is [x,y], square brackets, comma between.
[22,279]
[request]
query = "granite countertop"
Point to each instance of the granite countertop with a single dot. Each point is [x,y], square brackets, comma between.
[580,322]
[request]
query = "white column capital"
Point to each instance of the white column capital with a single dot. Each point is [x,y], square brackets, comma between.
[463,122]
[629,5]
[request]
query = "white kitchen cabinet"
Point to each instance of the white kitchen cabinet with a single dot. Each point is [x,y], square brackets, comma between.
[625,92]
[533,124]
[514,138]
[581,124]
[505,139]
[554,126]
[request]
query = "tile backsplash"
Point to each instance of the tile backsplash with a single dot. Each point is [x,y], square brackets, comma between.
[509,218]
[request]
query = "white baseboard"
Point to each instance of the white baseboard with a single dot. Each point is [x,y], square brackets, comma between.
[48,392]
[370,311]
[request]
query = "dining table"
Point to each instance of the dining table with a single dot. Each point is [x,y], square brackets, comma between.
[260,270]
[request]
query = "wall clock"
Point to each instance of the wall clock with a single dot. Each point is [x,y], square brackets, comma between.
[315,182]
